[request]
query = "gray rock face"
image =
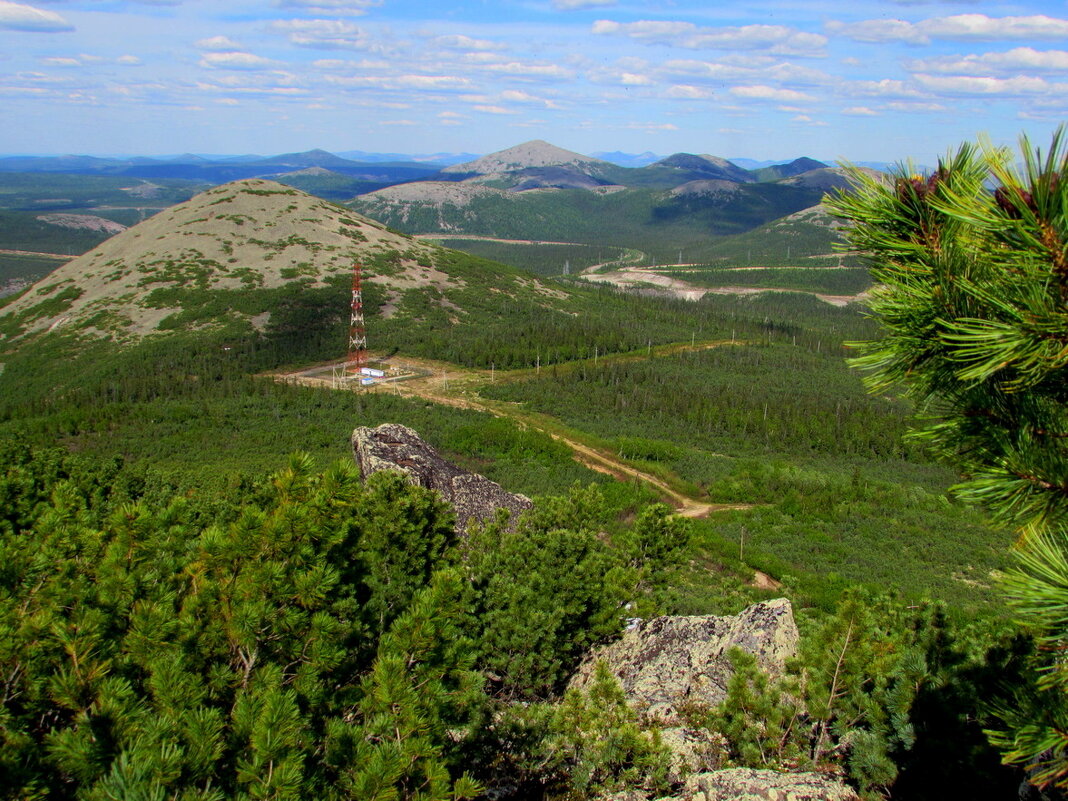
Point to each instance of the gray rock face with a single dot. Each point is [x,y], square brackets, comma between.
[395,447]
[668,661]
[746,784]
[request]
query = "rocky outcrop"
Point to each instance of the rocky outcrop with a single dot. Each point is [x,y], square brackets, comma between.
[395,447]
[667,661]
[746,784]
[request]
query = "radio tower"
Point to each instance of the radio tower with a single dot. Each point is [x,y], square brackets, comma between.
[357,336]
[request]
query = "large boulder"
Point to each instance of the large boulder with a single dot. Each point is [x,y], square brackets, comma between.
[395,447]
[668,661]
[746,784]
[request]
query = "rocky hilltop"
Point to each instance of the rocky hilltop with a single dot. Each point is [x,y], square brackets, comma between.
[535,153]
[670,661]
[242,237]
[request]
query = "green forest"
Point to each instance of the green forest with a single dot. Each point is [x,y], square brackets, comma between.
[201,598]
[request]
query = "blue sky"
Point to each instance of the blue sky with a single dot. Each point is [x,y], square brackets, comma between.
[864,80]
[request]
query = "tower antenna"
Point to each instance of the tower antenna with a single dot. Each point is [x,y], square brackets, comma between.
[357,336]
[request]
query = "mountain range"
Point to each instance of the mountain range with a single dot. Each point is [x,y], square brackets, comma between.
[537,191]
[533,192]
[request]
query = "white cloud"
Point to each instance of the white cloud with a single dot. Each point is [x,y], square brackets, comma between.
[493,110]
[879,30]
[432,82]
[128,61]
[971,85]
[887,87]
[22,91]
[61,61]
[516,96]
[958,27]
[1020,59]
[571,5]
[687,92]
[518,69]
[394,82]
[762,92]
[235,61]
[217,43]
[461,42]
[860,111]
[19,17]
[980,26]
[774,39]
[397,122]
[770,71]
[343,64]
[224,86]
[911,106]
[325,34]
[651,127]
[347,7]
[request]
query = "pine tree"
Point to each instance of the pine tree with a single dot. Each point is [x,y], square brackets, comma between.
[973,297]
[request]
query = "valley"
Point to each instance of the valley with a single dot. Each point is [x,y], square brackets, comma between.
[658,356]
[267,267]
[459,387]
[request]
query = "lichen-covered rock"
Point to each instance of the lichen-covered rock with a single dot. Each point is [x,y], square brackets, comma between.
[395,447]
[746,784]
[666,662]
[692,751]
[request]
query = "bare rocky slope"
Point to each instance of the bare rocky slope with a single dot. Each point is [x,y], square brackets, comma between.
[247,235]
[535,153]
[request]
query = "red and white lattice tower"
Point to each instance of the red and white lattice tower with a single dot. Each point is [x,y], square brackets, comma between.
[357,335]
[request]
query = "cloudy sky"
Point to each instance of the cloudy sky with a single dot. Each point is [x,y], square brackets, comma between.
[864,80]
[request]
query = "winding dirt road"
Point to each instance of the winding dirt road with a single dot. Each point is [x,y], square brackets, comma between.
[636,277]
[450,385]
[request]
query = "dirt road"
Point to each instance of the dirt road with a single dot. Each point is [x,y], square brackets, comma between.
[634,277]
[57,256]
[455,386]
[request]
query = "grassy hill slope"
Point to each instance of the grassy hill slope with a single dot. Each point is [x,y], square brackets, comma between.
[227,255]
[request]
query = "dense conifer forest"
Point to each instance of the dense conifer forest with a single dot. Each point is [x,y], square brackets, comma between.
[201,599]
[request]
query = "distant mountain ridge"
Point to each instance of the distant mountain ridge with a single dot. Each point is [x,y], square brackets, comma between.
[709,167]
[621,159]
[535,153]
[777,172]
[539,191]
